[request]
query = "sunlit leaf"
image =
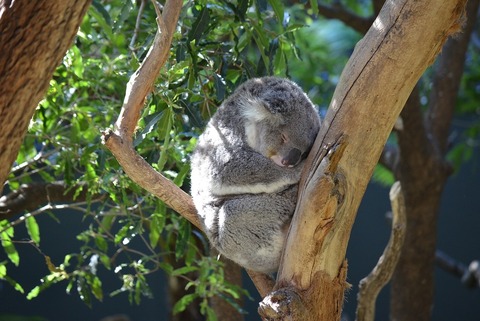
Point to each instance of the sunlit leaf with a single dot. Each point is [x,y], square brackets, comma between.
[96,285]
[7,244]
[33,293]
[33,229]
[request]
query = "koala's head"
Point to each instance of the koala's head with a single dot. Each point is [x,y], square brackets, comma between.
[280,121]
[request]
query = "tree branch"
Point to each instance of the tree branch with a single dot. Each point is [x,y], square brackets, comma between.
[337,11]
[469,276]
[371,285]
[141,82]
[119,141]
[446,80]
[30,196]
[263,282]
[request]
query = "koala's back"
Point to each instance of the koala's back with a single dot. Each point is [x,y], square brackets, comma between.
[246,167]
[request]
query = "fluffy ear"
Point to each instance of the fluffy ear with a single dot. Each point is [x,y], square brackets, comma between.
[254,110]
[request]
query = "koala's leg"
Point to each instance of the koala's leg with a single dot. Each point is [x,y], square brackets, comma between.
[252,229]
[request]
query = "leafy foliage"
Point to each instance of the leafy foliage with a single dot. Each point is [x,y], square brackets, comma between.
[218,45]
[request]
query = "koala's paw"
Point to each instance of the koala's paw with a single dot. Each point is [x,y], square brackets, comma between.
[282,305]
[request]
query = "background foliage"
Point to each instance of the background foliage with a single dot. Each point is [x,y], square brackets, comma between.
[218,45]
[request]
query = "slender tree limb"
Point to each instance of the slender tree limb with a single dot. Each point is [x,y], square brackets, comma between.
[148,178]
[79,206]
[263,282]
[137,24]
[119,141]
[30,196]
[337,11]
[371,285]
[469,276]
[141,82]
[446,80]
[449,265]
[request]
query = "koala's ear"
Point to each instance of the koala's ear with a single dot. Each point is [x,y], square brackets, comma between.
[254,110]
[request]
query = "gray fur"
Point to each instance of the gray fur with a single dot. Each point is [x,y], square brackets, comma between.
[246,168]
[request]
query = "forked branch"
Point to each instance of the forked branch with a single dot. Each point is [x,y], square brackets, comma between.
[119,140]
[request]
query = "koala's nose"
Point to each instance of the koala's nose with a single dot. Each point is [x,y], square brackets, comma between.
[293,158]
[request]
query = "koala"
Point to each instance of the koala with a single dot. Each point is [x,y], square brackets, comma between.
[246,168]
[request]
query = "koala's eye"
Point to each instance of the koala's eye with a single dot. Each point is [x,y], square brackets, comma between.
[284,138]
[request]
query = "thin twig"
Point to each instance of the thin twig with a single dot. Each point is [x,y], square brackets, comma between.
[371,285]
[337,11]
[469,275]
[48,207]
[137,25]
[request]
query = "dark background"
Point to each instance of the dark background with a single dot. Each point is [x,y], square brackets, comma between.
[458,236]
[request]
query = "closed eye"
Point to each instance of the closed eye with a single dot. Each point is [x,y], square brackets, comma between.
[284,138]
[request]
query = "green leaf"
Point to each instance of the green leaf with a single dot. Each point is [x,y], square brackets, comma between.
[84,291]
[3,270]
[151,121]
[77,61]
[200,25]
[277,7]
[33,293]
[184,234]
[156,227]
[184,171]
[122,234]
[6,238]
[90,172]
[12,282]
[96,286]
[211,315]
[33,229]
[105,261]
[165,126]
[182,304]
[383,176]
[138,291]
[101,243]
[107,222]
[184,270]
[103,18]
[314,5]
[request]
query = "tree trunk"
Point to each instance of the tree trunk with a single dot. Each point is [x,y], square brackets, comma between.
[33,40]
[372,90]
[423,171]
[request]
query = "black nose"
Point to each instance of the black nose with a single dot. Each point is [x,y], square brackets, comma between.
[293,158]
